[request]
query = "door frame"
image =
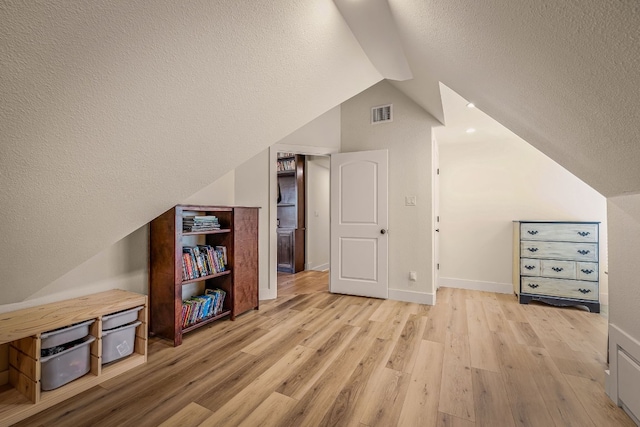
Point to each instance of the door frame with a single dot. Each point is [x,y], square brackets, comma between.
[272,291]
[435,223]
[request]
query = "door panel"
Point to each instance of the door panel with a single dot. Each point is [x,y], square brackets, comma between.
[359,222]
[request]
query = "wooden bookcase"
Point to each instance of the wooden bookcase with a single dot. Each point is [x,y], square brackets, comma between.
[291,213]
[167,289]
[20,337]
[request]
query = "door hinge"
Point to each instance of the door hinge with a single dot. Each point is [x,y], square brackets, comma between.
[438,266]
[438,218]
[438,171]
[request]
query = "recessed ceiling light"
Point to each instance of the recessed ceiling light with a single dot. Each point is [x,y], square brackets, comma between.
[471,130]
[471,105]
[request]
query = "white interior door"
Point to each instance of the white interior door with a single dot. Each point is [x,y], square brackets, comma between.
[359,222]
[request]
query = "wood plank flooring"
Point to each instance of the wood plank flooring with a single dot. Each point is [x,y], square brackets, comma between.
[310,358]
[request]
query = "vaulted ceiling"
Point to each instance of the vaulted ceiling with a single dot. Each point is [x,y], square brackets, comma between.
[111,112]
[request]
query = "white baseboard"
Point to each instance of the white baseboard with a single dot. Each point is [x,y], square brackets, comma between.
[604,299]
[411,296]
[265,294]
[476,285]
[321,267]
[623,346]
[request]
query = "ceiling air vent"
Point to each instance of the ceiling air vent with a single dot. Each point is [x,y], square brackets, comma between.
[382,114]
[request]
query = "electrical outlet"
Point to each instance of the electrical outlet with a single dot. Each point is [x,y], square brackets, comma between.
[413,276]
[410,200]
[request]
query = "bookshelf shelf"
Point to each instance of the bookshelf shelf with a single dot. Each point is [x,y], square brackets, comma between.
[196,233]
[211,276]
[205,321]
[168,289]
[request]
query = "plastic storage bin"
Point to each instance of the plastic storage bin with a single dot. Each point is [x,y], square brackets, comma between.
[119,342]
[120,318]
[65,335]
[66,366]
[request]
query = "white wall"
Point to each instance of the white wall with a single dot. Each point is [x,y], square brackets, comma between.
[484,186]
[323,131]
[106,123]
[123,265]
[408,139]
[256,179]
[624,294]
[318,181]
[252,189]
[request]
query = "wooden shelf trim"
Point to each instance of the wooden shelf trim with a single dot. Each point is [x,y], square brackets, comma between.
[32,321]
[205,321]
[211,276]
[194,233]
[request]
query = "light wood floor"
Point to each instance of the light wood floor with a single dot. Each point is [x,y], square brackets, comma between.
[310,358]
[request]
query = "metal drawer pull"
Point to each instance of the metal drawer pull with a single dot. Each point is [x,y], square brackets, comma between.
[529,267]
[532,249]
[532,232]
[586,271]
[584,233]
[584,291]
[583,251]
[557,269]
[532,285]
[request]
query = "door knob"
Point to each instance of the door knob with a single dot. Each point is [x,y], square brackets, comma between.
[383,231]
[437,230]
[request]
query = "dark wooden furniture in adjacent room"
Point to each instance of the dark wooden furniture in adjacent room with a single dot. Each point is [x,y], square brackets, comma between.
[237,234]
[291,213]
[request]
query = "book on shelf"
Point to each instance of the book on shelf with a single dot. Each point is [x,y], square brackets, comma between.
[197,223]
[203,260]
[286,165]
[201,307]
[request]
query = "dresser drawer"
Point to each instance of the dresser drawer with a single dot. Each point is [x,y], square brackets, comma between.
[587,271]
[576,289]
[558,269]
[560,250]
[529,267]
[559,232]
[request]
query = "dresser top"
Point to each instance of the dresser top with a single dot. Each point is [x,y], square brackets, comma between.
[556,222]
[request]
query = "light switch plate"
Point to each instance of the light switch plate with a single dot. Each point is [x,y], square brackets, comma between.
[410,200]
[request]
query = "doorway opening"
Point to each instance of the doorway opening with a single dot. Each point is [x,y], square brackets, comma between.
[299,212]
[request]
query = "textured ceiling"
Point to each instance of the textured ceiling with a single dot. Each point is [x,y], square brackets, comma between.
[112,112]
[564,76]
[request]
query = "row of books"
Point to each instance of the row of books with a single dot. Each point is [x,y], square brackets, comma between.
[192,224]
[200,307]
[286,165]
[203,260]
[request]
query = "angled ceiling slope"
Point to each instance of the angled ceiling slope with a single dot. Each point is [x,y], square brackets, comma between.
[564,76]
[112,112]
[373,24]
[374,28]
